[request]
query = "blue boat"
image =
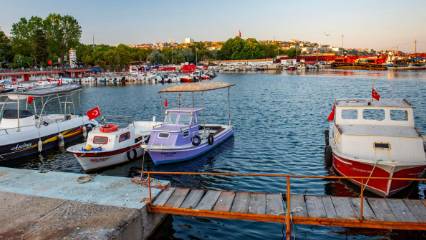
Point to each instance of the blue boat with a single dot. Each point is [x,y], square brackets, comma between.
[182,137]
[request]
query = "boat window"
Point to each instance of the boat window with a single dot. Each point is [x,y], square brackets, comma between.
[100,140]
[124,137]
[185,119]
[374,114]
[171,118]
[163,135]
[399,115]
[381,145]
[349,114]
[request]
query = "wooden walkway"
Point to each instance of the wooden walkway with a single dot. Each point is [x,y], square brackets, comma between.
[378,213]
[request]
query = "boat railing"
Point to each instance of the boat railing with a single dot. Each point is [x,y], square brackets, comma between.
[288,178]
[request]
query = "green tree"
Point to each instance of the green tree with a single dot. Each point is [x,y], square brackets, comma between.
[63,33]
[24,34]
[6,54]
[40,48]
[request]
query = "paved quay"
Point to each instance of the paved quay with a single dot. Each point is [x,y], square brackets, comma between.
[54,205]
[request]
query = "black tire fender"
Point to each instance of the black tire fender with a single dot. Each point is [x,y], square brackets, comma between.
[210,139]
[132,154]
[196,140]
[328,156]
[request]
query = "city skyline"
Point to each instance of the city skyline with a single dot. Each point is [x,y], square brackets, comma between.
[364,24]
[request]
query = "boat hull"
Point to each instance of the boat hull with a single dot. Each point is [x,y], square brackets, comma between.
[383,187]
[28,148]
[91,161]
[168,156]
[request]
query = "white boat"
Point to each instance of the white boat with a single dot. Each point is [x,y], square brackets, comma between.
[376,139]
[108,145]
[27,129]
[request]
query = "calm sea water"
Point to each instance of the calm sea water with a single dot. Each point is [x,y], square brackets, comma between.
[279,121]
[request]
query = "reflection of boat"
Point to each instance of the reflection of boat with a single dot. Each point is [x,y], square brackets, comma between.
[411,66]
[108,145]
[182,136]
[186,79]
[376,139]
[26,128]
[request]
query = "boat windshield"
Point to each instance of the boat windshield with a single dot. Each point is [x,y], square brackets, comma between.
[178,118]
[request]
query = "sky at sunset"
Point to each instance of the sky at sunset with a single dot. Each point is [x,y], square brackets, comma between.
[391,24]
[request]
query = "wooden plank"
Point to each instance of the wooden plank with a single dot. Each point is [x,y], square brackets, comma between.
[381,209]
[343,207]
[241,202]
[315,206]
[257,203]
[275,204]
[417,209]
[177,197]
[400,210]
[298,205]
[164,196]
[224,202]
[368,213]
[208,201]
[193,198]
[329,207]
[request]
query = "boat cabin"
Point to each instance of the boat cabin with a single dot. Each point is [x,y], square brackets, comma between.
[379,130]
[110,137]
[179,127]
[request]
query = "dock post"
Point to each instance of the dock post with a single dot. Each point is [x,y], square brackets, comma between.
[361,202]
[288,212]
[149,188]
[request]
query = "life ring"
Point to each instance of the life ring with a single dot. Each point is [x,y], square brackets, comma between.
[196,140]
[132,155]
[108,128]
[210,139]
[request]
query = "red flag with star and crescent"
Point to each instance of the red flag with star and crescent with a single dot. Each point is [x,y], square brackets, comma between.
[332,113]
[375,94]
[94,113]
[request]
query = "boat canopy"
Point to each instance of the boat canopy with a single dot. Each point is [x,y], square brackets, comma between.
[196,87]
[46,91]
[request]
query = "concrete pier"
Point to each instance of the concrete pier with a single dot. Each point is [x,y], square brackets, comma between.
[54,205]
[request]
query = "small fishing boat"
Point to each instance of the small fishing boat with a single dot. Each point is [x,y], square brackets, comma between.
[187,78]
[27,127]
[182,136]
[375,139]
[108,145]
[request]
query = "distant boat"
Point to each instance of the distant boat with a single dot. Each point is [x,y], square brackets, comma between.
[376,139]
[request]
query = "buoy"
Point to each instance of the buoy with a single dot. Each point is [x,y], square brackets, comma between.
[40,145]
[84,131]
[88,147]
[153,118]
[61,142]
[108,128]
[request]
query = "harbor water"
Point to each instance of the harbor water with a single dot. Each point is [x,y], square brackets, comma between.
[279,122]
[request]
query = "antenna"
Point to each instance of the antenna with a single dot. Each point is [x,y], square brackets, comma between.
[415,46]
[93,40]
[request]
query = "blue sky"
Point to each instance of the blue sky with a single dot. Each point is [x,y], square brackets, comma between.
[377,24]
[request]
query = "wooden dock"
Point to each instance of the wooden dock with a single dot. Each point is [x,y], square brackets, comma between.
[287,208]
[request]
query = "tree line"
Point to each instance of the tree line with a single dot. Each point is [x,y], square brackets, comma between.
[38,42]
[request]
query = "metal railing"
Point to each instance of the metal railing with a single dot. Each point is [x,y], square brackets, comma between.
[288,177]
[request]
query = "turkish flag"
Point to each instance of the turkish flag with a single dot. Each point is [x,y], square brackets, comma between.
[30,99]
[375,94]
[94,113]
[166,103]
[332,113]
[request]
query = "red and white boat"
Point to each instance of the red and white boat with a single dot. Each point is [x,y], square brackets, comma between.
[109,145]
[376,139]
[187,78]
